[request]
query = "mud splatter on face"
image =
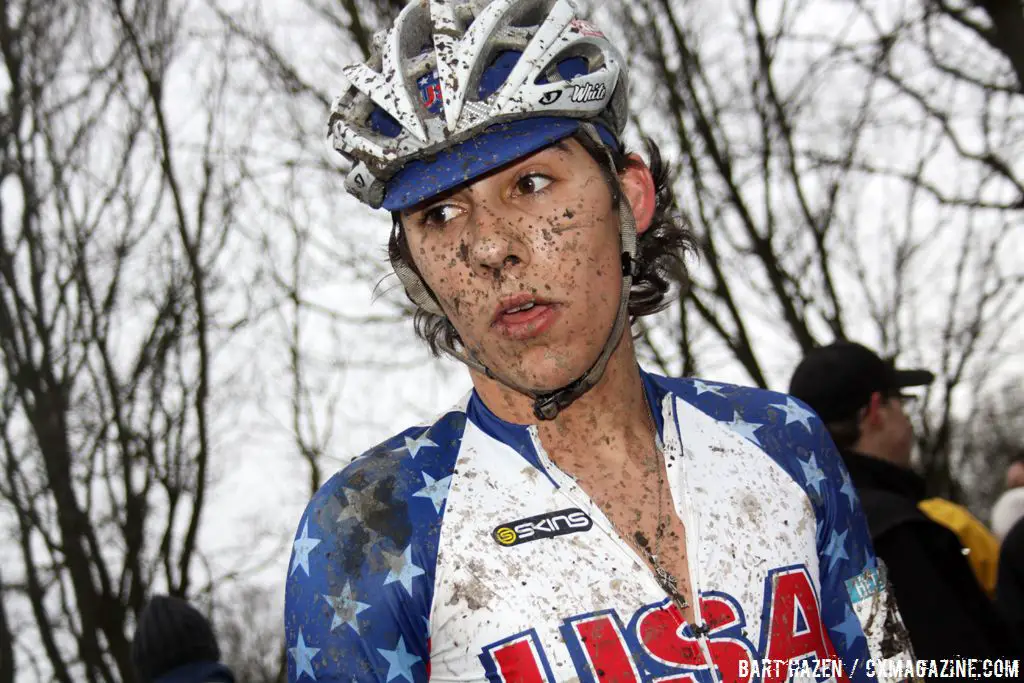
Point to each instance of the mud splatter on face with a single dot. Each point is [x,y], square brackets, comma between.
[540,233]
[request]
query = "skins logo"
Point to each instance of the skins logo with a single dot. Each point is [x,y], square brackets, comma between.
[547,525]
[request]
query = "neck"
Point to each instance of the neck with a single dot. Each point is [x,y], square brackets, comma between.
[603,428]
[878,450]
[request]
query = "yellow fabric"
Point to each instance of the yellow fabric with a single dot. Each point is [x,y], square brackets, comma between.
[973,535]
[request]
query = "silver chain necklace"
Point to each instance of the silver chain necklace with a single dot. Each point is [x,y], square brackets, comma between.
[665,578]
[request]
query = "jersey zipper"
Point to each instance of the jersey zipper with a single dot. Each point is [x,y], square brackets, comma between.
[691,519]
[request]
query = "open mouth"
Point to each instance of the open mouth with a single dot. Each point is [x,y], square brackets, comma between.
[524,316]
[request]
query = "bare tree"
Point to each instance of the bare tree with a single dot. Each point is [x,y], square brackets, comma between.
[955,69]
[988,442]
[850,172]
[116,213]
[814,163]
[248,624]
[321,256]
[999,24]
[6,643]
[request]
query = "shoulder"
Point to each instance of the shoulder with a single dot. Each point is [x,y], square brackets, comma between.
[916,543]
[381,488]
[789,433]
[724,401]
[961,522]
[888,512]
[784,427]
[364,557]
[384,503]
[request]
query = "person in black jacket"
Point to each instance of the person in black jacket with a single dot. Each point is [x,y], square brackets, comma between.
[858,396]
[1010,585]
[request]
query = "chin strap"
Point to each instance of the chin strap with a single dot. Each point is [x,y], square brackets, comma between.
[548,404]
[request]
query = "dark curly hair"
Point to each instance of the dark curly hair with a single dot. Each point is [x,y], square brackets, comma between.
[661,249]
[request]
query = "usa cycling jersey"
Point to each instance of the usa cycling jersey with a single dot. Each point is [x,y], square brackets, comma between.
[460,552]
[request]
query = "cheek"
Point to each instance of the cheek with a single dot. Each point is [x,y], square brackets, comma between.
[587,257]
[445,270]
[433,260]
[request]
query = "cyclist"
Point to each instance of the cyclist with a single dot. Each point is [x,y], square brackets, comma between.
[575,517]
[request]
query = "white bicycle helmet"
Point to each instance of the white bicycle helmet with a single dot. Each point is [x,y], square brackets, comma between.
[457,88]
[449,71]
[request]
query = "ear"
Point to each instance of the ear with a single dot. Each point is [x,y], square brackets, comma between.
[873,410]
[638,186]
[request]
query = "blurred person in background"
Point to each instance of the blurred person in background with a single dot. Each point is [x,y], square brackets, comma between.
[946,608]
[1008,525]
[174,643]
[1009,507]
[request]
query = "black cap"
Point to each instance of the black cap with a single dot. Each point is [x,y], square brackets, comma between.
[837,380]
[173,641]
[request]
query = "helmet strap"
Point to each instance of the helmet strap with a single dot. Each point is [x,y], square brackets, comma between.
[548,405]
[415,288]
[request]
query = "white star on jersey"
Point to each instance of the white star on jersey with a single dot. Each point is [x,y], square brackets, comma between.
[301,548]
[415,445]
[303,657]
[435,490]
[346,608]
[744,428]
[402,569]
[795,413]
[707,388]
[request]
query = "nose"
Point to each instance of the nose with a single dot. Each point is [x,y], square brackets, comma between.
[494,245]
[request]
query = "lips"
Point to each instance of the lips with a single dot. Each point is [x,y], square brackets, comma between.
[524,316]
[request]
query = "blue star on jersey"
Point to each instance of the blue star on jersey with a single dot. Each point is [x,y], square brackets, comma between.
[849,628]
[836,549]
[848,490]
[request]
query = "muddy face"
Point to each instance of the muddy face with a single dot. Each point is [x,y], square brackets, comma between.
[525,262]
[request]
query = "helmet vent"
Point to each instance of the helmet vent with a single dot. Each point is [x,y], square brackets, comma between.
[531,14]
[577,60]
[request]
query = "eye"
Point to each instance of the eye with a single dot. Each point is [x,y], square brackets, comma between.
[438,215]
[532,183]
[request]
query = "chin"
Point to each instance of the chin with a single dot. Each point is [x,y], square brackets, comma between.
[543,370]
